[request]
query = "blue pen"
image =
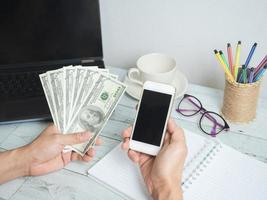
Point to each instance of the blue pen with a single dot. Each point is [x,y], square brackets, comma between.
[260,74]
[250,54]
[251,75]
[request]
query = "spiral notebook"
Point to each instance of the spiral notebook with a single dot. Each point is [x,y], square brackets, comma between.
[212,171]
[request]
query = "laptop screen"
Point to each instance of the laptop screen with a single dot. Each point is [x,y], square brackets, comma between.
[40,31]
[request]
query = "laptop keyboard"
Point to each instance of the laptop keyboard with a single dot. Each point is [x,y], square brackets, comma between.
[20,85]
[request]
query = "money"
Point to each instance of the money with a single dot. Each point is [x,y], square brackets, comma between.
[81,99]
[68,74]
[49,97]
[96,109]
[55,79]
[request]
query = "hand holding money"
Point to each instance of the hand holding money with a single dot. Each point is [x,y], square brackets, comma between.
[42,160]
[81,99]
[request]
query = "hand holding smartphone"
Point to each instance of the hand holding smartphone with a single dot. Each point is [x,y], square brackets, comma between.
[153,112]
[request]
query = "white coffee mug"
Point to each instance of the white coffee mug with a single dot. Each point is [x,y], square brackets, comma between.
[153,67]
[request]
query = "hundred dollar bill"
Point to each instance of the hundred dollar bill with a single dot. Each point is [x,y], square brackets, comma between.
[96,110]
[55,78]
[79,85]
[68,74]
[49,97]
[87,85]
[78,78]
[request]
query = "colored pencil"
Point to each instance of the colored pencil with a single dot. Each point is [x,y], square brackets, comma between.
[250,54]
[260,74]
[262,63]
[224,60]
[224,66]
[230,58]
[237,57]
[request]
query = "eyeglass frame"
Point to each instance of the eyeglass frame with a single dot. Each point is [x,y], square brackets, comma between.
[226,127]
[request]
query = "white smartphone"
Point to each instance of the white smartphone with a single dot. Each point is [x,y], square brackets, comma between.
[152,115]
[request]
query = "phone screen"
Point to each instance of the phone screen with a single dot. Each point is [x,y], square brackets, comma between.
[151,117]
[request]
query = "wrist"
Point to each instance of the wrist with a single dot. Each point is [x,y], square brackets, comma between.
[19,164]
[23,160]
[167,190]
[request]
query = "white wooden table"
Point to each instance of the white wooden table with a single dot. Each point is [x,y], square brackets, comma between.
[72,181]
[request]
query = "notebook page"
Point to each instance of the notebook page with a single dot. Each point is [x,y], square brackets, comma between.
[230,175]
[116,170]
[194,143]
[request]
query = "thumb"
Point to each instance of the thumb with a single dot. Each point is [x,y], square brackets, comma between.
[75,138]
[176,133]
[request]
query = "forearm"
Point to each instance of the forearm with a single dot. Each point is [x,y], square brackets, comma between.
[14,164]
[173,192]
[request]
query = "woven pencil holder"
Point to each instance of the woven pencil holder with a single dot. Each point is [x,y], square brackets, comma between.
[240,101]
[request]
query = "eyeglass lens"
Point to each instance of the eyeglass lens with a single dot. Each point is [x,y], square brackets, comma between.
[189,106]
[211,123]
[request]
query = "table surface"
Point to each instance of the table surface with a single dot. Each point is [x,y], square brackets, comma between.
[72,182]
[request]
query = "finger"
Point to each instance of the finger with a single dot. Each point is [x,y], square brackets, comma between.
[66,157]
[75,156]
[91,152]
[51,129]
[125,144]
[87,158]
[167,138]
[134,155]
[75,138]
[127,132]
[98,141]
[171,126]
[178,136]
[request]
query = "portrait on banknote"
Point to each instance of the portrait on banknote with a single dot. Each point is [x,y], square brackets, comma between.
[91,118]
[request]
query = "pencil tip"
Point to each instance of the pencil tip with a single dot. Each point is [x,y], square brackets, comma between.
[239,42]
[215,51]
[220,52]
[243,66]
[228,45]
[255,44]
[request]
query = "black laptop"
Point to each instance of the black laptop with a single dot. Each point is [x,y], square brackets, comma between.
[41,35]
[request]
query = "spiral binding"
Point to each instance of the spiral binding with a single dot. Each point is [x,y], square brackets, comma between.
[203,158]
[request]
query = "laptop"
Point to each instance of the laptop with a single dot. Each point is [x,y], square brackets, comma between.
[37,36]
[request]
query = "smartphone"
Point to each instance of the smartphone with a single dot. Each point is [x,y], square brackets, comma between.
[152,115]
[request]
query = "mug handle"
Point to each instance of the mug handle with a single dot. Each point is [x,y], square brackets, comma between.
[134,80]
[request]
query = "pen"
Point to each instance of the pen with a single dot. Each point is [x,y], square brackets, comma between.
[262,63]
[224,59]
[250,54]
[226,70]
[230,58]
[239,73]
[260,74]
[251,75]
[237,57]
[243,76]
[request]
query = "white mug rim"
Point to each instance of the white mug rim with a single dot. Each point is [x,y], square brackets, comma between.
[156,73]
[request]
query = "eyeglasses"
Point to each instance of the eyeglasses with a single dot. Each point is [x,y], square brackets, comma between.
[210,123]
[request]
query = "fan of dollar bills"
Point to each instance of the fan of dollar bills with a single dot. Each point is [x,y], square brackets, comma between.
[81,99]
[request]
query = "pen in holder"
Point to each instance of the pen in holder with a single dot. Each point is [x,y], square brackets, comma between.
[240,101]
